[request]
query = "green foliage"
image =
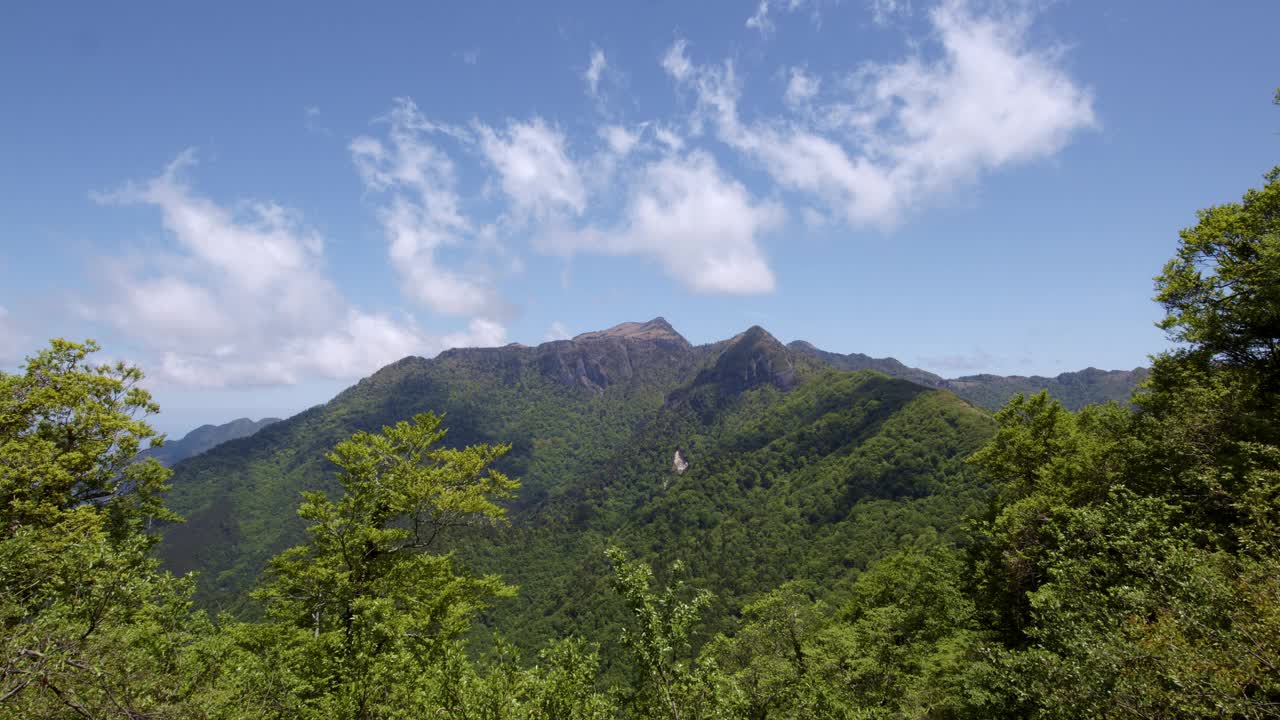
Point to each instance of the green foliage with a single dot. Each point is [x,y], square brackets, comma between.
[1221,292]
[70,433]
[366,607]
[870,548]
[674,684]
[1130,568]
[88,626]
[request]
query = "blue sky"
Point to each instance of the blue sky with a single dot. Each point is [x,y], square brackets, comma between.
[261,203]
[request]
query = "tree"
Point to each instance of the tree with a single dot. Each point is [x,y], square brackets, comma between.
[1221,291]
[88,626]
[674,683]
[368,610]
[1130,561]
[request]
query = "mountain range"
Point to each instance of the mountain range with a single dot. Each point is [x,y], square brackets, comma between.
[800,465]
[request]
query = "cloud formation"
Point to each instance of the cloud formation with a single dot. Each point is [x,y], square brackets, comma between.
[702,226]
[414,183]
[535,169]
[243,298]
[902,133]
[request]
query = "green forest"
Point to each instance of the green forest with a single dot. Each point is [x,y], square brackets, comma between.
[503,533]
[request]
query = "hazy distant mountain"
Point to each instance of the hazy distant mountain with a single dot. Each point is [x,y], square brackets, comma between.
[205,437]
[1073,389]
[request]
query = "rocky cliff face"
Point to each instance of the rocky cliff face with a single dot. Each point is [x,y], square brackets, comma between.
[746,361]
[598,359]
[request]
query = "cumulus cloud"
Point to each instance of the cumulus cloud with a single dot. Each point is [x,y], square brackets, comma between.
[536,172]
[701,226]
[907,131]
[420,209]
[243,298]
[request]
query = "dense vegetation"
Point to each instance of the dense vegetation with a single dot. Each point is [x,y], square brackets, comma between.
[1119,561]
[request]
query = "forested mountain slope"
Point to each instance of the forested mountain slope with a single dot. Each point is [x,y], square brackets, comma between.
[796,470]
[564,406]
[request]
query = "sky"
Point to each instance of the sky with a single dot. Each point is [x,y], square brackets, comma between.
[261,203]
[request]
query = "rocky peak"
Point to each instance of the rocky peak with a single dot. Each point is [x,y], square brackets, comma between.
[657,329]
[602,358]
[754,358]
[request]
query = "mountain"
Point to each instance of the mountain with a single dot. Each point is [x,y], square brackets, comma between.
[564,406]
[794,469]
[1073,389]
[857,361]
[204,438]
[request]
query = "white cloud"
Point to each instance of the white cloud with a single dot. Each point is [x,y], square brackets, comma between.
[910,130]
[242,299]
[535,168]
[594,72]
[420,210]
[700,225]
[801,87]
[621,141]
[557,331]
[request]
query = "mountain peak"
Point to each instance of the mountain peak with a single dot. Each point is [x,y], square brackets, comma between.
[655,329]
[754,357]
